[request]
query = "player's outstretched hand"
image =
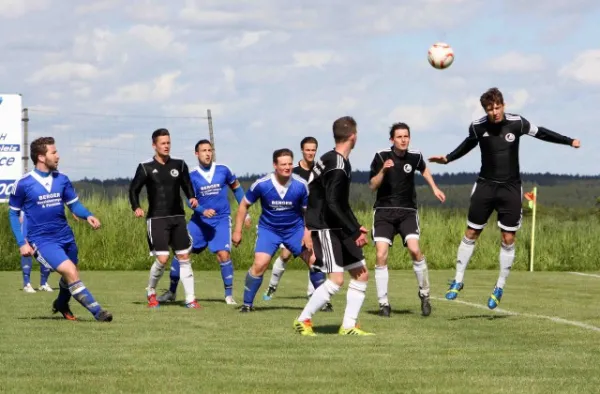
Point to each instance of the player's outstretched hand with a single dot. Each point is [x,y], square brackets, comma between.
[439,195]
[438,159]
[193,203]
[576,144]
[247,221]
[209,213]
[236,238]
[139,213]
[94,222]
[307,242]
[26,250]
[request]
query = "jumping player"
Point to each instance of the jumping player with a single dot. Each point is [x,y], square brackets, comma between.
[164,176]
[42,194]
[395,211]
[283,197]
[498,186]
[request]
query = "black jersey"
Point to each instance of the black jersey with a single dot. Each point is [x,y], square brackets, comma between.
[329,196]
[163,184]
[397,189]
[499,144]
[300,171]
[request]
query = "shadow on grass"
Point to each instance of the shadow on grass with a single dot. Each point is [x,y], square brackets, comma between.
[394,312]
[483,317]
[57,318]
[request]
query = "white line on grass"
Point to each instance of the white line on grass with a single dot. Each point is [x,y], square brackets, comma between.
[504,311]
[583,274]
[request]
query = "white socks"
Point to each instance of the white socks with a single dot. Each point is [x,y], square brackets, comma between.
[381,283]
[465,251]
[186,276]
[354,300]
[320,297]
[277,272]
[309,288]
[156,272]
[507,256]
[422,274]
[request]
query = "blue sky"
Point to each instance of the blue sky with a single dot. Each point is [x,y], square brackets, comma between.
[101,76]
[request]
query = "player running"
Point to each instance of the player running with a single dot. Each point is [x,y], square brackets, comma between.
[164,176]
[210,225]
[395,211]
[337,236]
[283,197]
[308,146]
[42,194]
[498,186]
[27,263]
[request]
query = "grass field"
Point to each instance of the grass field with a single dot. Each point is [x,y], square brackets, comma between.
[461,348]
[566,239]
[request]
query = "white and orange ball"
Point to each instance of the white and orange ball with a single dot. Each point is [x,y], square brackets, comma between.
[440,55]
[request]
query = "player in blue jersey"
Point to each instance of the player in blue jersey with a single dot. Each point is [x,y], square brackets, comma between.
[42,194]
[283,197]
[27,263]
[210,225]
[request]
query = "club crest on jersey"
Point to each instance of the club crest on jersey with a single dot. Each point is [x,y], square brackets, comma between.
[510,137]
[407,168]
[174,173]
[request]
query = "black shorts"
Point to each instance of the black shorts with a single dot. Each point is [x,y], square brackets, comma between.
[387,222]
[504,198]
[334,252]
[168,233]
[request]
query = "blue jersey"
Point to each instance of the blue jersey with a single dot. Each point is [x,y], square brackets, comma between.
[42,199]
[210,187]
[282,205]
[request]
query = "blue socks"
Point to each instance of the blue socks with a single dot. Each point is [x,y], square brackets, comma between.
[44,274]
[174,275]
[317,278]
[64,295]
[252,286]
[26,268]
[84,297]
[227,275]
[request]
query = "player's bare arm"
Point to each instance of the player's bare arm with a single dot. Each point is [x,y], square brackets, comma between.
[436,191]
[236,238]
[376,181]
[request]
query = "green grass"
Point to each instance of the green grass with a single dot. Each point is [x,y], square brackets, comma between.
[566,239]
[458,349]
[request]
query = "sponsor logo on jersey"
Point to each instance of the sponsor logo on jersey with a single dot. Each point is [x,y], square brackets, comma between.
[407,168]
[510,137]
[174,173]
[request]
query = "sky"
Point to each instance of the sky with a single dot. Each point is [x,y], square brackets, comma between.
[101,76]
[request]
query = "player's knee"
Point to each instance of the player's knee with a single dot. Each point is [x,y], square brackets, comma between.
[361,274]
[69,271]
[337,278]
[508,238]
[381,255]
[472,233]
[223,256]
[163,259]
[285,255]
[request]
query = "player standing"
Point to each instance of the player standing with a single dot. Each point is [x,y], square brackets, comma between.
[164,176]
[337,236]
[210,225]
[498,186]
[395,211]
[42,194]
[27,263]
[308,146]
[283,197]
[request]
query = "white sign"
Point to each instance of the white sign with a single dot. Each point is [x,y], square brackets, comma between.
[11,139]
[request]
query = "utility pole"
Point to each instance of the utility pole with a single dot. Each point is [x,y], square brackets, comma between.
[211,134]
[25,155]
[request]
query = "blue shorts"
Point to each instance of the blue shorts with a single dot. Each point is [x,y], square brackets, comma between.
[269,241]
[216,235]
[53,254]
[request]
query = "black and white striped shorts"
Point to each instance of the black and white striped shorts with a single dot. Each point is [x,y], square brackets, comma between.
[335,252]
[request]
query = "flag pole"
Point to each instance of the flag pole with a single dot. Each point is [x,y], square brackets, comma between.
[533,229]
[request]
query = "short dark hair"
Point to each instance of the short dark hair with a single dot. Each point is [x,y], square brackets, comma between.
[159,133]
[344,128]
[398,126]
[39,147]
[201,142]
[490,97]
[308,140]
[282,152]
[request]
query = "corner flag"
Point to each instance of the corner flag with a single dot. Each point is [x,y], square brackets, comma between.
[532,197]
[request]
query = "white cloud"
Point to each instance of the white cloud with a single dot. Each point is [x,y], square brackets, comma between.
[316,59]
[229,77]
[245,40]
[421,117]
[65,71]
[515,62]
[18,8]
[197,108]
[96,6]
[160,88]
[584,68]
[90,145]
[157,37]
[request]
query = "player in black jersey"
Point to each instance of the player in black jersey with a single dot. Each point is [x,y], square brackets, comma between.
[337,236]
[498,186]
[164,177]
[393,176]
[308,146]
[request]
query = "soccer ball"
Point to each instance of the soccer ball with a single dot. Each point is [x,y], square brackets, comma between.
[440,55]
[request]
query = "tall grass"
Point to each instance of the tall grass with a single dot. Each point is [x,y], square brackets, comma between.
[565,240]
